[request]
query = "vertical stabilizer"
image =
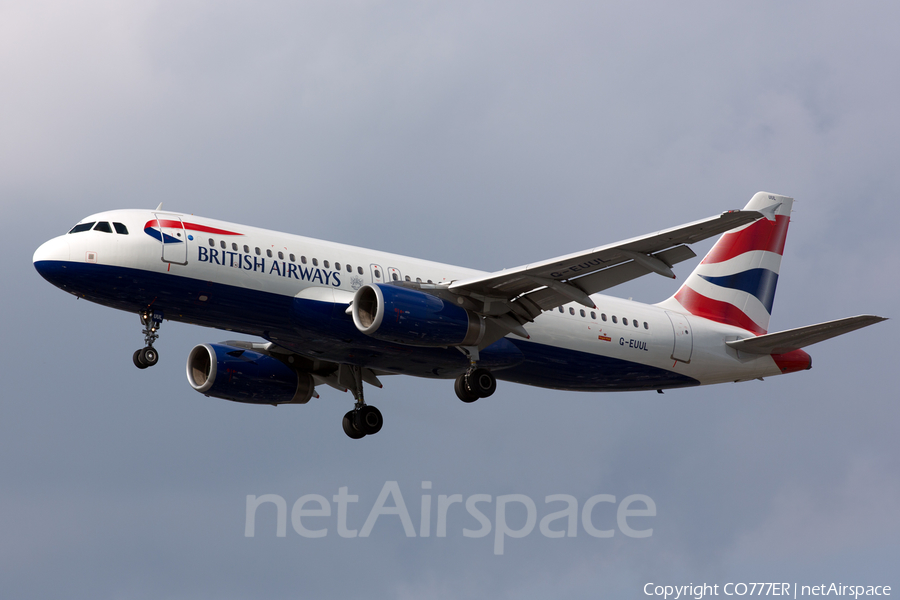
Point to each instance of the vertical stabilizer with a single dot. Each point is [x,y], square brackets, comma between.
[735,282]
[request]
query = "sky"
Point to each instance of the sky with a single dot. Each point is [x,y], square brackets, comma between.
[487,135]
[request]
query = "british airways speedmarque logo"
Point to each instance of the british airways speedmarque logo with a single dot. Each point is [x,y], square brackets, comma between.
[154,228]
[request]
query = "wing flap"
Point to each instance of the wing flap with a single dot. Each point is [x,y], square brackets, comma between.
[789,340]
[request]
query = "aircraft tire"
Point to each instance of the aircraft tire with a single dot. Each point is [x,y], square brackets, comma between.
[462,390]
[138,359]
[369,420]
[149,356]
[481,382]
[350,427]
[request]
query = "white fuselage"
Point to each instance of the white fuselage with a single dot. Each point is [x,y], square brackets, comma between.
[237,258]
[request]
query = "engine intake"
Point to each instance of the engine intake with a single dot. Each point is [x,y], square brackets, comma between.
[246,376]
[397,314]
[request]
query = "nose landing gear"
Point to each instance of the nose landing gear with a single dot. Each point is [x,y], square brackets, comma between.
[148,356]
[364,419]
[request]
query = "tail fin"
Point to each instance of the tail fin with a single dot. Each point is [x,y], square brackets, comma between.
[735,283]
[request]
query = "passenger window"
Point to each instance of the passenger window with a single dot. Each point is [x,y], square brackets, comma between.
[325,264]
[646,326]
[430,281]
[603,316]
[303,259]
[394,277]
[418,280]
[120,228]
[337,266]
[624,320]
[280,255]
[614,319]
[359,270]
[212,242]
[234,246]
[571,311]
[634,322]
[561,309]
[349,269]
[246,248]
[582,313]
[82,227]
[315,262]
[222,244]
[593,315]
[377,274]
[292,258]
[257,251]
[103,226]
[269,252]
[407,278]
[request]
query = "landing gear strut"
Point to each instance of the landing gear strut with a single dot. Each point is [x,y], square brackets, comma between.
[476,382]
[148,356]
[364,419]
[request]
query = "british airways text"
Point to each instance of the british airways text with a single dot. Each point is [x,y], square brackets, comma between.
[247,262]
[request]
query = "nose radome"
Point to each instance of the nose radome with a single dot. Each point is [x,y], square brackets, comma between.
[55,249]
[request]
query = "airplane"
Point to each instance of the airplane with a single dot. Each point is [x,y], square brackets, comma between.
[342,316]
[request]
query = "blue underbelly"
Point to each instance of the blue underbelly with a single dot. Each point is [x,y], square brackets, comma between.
[323,330]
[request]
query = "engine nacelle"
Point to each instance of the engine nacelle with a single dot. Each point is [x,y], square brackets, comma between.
[405,316]
[243,375]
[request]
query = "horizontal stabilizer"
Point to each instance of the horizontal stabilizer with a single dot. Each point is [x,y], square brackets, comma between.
[782,342]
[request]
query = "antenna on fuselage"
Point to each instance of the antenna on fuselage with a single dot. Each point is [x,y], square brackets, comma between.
[159,207]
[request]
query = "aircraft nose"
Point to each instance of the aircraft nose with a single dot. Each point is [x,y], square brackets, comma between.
[50,252]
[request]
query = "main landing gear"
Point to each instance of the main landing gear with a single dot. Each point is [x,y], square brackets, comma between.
[148,356]
[364,419]
[475,384]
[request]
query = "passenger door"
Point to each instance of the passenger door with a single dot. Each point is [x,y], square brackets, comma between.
[684,341]
[173,238]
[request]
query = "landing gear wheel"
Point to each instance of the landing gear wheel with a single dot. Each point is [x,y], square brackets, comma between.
[462,390]
[481,382]
[369,420]
[350,426]
[149,356]
[138,360]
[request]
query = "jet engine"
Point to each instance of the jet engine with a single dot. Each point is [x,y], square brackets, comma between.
[404,316]
[247,376]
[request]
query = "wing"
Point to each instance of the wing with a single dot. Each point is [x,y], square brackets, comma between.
[337,375]
[510,298]
[513,297]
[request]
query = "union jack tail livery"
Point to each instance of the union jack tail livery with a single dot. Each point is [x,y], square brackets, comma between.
[735,283]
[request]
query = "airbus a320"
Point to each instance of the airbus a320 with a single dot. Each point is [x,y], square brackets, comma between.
[337,315]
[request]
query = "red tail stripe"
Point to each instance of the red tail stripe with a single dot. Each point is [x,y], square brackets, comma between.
[192,226]
[793,361]
[715,310]
[761,235]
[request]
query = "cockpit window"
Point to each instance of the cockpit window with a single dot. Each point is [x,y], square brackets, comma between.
[82,227]
[120,228]
[103,226]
